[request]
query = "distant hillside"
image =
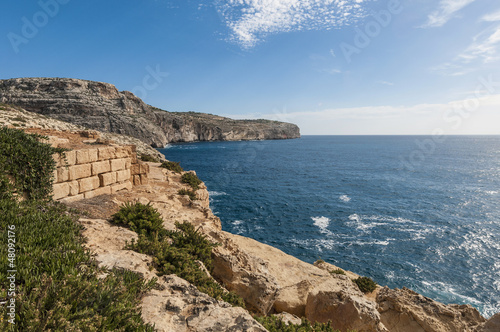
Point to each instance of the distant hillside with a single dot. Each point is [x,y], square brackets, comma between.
[101,106]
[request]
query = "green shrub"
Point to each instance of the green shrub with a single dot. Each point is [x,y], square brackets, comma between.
[149,158]
[319,261]
[190,193]
[337,271]
[28,163]
[274,324]
[192,180]
[58,287]
[365,284]
[172,166]
[176,252]
[142,219]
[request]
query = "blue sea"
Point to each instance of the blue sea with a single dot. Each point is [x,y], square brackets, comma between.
[409,211]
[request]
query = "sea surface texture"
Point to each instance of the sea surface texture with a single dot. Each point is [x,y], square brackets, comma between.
[404,210]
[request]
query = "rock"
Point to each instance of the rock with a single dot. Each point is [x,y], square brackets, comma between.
[492,324]
[337,301]
[243,274]
[404,310]
[102,107]
[289,318]
[181,307]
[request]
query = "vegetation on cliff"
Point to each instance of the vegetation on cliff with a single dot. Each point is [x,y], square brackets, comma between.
[174,252]
[57,285]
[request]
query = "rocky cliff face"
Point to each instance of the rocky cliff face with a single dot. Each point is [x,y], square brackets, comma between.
[101,106]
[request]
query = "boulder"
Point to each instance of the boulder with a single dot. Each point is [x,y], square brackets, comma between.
[403,310]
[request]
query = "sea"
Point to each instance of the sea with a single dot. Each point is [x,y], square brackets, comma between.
[420,212]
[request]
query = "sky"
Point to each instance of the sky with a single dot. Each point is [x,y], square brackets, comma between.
[333,67]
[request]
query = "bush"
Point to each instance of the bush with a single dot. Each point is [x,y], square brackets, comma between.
[365,284]
[172,166]
[177,252]
[149,158]
[337,271]
[27,164]
[190,193]
[142,219]
[58,287]
[192,180]
[274,324]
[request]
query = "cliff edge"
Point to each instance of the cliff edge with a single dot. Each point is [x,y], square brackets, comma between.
[100,106]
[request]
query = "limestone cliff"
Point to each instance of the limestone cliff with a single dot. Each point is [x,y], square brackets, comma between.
[102,107]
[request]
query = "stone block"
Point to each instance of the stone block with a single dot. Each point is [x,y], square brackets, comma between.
[118,164]
[79,171]
[74,188]
[121,186]
[107,178]
[61,190]
[93,155]
[101,167]
[123,175]
[136,180]
[106,153]
[89,184]
[144,179]
[62,174]
[54,175]
[135,169]
[70,159]
[57,158]
[144,168]
[97,192]
[72,198]
[82,157]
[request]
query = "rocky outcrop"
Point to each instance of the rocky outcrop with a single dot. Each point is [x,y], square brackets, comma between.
[102,107]
[403,310]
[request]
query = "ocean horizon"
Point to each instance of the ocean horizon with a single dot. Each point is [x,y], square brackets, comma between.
[353,201]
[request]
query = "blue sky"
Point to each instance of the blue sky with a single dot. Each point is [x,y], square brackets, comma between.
[330,66]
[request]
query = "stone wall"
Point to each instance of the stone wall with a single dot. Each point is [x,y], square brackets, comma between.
[89,172]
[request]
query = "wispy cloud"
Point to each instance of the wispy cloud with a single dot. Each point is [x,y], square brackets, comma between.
[484,49]
[250,21]
[493,17]
[447,10]
[385,83]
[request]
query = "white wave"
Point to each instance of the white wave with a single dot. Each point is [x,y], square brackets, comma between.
[344,198]
[491,192]
[447,290]
[237,222]
[321,222]
[216,193]
[354,217]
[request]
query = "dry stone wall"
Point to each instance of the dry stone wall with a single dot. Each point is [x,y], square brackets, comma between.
[86,173]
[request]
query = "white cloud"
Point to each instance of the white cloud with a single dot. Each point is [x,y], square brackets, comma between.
[493,17]
[385,83]
[446,11]
[484,49]
[250,21]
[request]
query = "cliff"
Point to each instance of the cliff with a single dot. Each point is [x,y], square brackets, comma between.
[99,177]
[102,107]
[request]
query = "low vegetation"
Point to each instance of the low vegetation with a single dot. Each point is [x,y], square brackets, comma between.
[149,158]
[172,166]
[337,271]
[274,324]
[178,252]
[58,286]
[191,193]
[192,180]
[365,284]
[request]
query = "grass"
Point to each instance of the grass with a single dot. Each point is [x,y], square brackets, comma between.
[192,180]
[192,195]
[172,166]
